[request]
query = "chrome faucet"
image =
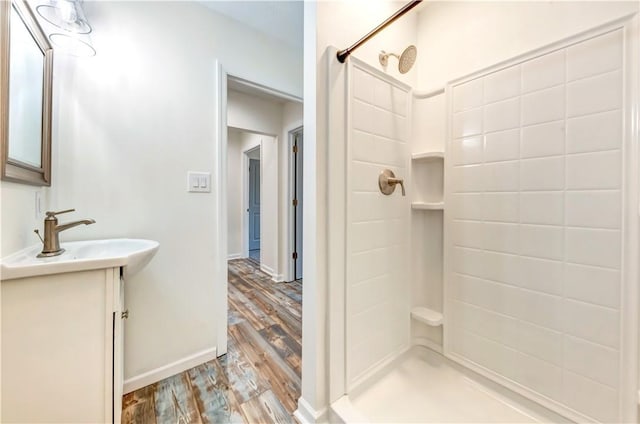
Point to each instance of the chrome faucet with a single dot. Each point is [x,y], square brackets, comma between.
[51,241]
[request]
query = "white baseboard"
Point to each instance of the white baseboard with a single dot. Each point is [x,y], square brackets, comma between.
[233,256]
[267,270]
[305,414]
[168,370]
[275,277]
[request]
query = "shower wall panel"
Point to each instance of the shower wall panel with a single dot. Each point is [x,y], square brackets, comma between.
[377,286]
[535,197]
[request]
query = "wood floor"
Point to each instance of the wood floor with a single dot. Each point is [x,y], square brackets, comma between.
[257,381]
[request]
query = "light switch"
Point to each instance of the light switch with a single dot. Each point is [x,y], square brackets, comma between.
[198,182]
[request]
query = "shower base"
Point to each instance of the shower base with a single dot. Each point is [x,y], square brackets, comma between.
[422,386]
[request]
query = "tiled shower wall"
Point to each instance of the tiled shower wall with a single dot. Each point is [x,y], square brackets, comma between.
[377,301]
[535,206]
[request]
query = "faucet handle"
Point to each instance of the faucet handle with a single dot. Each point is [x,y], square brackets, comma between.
[52,214]
[38,233]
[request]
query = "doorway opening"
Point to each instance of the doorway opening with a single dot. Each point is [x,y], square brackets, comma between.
[262,291]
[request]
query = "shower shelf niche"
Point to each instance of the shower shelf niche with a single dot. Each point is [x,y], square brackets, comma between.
[428,181]
[426,156]
[426,316]
[429,206]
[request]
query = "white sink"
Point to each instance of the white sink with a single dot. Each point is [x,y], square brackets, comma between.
[132,254]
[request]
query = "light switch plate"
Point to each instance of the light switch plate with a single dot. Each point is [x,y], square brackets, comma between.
[198,182]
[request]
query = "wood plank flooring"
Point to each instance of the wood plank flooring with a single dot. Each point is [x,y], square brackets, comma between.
[257,381]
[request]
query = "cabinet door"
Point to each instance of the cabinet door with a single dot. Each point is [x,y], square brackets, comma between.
[119,316]
[54,349]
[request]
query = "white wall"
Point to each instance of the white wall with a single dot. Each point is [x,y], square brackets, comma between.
[455,39]
[454,33]
[254,114]
[234,194]
[130,123]
[18,216]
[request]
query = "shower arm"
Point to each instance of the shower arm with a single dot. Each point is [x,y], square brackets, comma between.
[343,54]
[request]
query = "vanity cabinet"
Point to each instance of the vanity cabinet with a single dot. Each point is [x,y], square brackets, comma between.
[62,347]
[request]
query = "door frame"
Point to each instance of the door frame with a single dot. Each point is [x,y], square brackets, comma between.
[291,219]
[245,198]
[219,186]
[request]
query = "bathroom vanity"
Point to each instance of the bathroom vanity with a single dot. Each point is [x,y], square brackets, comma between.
[62,331]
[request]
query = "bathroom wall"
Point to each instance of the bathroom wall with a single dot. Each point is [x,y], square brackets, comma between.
[458,49]
[454,40]
[377,226]
[131,122]
[18,217]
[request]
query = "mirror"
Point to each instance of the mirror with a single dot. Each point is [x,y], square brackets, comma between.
[26,66]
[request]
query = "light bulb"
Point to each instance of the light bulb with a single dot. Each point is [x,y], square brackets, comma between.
[67,11]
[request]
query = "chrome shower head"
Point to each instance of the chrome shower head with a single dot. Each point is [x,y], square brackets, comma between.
[405,60]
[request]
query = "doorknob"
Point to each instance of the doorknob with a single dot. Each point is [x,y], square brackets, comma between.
[387,182]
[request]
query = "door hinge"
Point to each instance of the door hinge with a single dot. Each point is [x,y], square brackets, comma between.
[295,255]
[295,202]
[295,148]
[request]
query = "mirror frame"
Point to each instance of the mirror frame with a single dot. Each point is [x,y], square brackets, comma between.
[11,169]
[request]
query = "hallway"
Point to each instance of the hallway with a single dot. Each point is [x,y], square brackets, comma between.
[258,381]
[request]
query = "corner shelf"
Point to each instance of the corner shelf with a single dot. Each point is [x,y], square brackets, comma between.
[426,316]
[429,206]
[427,156]
[427,176]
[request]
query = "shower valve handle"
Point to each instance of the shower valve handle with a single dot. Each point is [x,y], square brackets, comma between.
[387,182]
[394,181]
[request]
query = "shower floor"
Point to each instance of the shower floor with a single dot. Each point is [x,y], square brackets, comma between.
[423,386]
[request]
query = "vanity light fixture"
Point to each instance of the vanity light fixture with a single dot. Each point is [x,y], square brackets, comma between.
[65,14]
[72,45]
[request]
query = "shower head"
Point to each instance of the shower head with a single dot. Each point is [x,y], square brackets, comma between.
[405,60]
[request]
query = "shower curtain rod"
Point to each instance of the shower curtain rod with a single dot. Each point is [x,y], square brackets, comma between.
[343,54]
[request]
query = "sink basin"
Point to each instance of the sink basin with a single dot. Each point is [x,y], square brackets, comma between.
[132,254]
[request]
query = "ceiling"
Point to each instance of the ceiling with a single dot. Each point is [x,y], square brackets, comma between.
[279,19]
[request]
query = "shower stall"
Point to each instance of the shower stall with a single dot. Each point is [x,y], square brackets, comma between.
[504,286]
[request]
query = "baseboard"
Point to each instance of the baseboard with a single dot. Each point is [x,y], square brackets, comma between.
[168,370]
[267,270]
[277,278]
[305,414]
[233,256]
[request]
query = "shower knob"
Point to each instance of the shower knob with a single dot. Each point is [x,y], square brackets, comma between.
[387,182]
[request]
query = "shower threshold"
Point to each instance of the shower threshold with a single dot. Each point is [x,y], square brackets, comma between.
[422,386]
